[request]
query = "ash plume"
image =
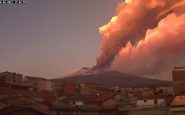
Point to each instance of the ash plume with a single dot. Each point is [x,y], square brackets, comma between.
[128,42]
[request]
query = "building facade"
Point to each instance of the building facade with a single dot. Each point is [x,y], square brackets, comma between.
[179,80]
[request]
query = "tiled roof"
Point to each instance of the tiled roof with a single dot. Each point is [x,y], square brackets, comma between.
[178,101]
[93,98]
[102,97]
[76,97]
[3,105]
[11,109]
[34,78]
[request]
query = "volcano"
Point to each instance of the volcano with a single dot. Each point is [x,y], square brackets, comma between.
[113,78]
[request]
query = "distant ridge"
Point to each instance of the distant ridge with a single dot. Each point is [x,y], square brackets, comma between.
[115,78]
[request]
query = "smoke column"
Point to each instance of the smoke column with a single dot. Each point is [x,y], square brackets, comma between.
[143,31]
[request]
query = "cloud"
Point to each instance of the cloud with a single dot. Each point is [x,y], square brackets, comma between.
[161,49]
[144,37]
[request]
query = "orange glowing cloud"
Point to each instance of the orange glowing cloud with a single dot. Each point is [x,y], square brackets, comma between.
[141,34]
[161,49]
[128,1]
[133,18]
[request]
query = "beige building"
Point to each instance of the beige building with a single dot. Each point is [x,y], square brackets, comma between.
[9,78]
[151,101]
[45,85]
[39,84]
[87,88]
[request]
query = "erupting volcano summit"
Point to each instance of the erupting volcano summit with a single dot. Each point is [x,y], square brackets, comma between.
[145,37]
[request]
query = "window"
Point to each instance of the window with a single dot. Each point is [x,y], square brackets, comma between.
[155,101]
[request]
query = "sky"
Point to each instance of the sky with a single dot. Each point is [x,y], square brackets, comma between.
[49,38]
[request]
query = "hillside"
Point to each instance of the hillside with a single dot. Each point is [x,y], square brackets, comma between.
[114,78]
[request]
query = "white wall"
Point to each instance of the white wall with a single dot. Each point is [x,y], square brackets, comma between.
[150,102]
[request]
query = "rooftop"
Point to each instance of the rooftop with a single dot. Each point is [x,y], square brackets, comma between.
[101,97]
[178,101]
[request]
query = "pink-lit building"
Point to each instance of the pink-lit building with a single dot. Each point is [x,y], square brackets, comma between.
[39,84]
[45,85]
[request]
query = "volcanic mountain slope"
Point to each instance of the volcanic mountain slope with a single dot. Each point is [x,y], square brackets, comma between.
[115,78]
